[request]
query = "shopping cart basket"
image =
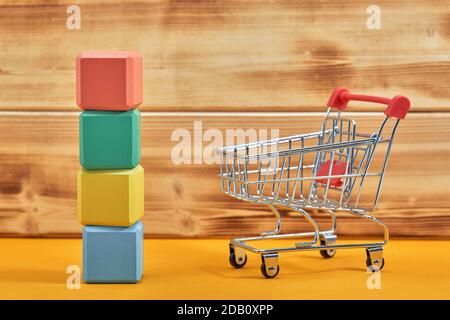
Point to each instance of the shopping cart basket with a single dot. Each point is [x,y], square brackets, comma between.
[323,170]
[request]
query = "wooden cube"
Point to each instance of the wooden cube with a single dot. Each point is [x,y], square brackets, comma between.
[110,197]
[110,139]
[113,254]
[109,80]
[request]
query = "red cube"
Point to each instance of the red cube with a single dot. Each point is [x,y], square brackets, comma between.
[109,80]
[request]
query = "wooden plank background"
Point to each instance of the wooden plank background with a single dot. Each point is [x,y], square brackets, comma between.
[231,64]
[278,55]
[38,181]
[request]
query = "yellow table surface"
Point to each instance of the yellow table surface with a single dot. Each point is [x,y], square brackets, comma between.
[199,269]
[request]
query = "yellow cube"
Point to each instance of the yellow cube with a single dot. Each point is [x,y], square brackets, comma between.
[110,197]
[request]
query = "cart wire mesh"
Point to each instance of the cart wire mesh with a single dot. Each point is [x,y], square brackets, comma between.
[326,169]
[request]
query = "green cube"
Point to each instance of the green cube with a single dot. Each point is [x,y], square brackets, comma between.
[110,139]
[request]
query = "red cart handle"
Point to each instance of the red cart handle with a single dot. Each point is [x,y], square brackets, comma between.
[397,107]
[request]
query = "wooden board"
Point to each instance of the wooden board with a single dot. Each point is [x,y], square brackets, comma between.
[246,59]
[231,55]
[39,157]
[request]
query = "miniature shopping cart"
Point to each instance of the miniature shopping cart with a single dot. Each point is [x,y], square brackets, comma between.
[324,170]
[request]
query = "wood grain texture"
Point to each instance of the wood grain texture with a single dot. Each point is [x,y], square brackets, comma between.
[39,158]
[231,55]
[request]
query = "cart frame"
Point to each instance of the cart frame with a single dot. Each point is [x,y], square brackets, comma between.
[289,186]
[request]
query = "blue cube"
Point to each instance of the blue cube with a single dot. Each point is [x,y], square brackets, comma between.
[113,254]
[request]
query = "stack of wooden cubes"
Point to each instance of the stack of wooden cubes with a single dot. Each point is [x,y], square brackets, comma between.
[111,183]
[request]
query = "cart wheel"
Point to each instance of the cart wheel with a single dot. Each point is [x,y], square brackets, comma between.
[328,253]
[269,265]
[265,274]
[237,262]
[374,266]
